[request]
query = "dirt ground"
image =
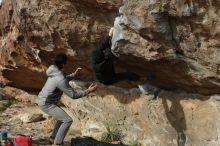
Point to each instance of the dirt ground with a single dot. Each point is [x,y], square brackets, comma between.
[11,120]
[39,131]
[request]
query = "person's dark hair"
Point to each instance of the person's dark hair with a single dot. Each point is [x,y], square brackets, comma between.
[104,43]
[60,60]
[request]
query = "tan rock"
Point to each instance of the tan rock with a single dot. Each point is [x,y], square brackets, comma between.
[31,31]
[172,118]
[169,40]
[30,118]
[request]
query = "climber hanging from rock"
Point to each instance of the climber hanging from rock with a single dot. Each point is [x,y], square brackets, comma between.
[103,66]
[102,60]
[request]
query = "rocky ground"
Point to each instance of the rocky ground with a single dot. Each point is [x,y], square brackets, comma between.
[21,118]
[174,118]
[20,115]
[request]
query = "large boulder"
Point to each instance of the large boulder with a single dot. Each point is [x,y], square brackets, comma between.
[173,119]
[176,41]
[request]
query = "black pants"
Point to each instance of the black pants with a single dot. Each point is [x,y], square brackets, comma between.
[118,77]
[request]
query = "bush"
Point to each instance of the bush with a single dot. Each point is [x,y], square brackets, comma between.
[7,104]
[112,134]
[133,143]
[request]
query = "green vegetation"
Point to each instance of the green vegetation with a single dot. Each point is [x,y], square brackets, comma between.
[112,134]
[133,143]
[9,102]
[74,132]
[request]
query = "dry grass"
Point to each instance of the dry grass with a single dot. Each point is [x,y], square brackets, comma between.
[74,132]
[7,104]
[113,134]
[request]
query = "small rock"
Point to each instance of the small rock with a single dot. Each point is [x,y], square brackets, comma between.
[30,118]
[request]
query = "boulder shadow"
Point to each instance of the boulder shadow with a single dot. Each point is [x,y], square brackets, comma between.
[176,116]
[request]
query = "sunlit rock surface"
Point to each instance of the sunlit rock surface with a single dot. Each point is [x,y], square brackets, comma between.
[33,31]
[176,41]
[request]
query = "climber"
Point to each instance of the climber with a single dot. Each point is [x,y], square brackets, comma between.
[103,63]
[50,95]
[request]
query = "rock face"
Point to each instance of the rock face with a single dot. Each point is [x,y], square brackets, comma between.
[30,118]
[173,43]
[177,41]
[174,119]
[31,32]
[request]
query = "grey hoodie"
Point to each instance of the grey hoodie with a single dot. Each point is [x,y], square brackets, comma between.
[54,87]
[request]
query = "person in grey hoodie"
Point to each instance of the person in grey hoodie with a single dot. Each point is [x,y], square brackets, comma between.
[57,84]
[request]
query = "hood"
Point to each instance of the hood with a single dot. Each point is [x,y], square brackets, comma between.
[53,71]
